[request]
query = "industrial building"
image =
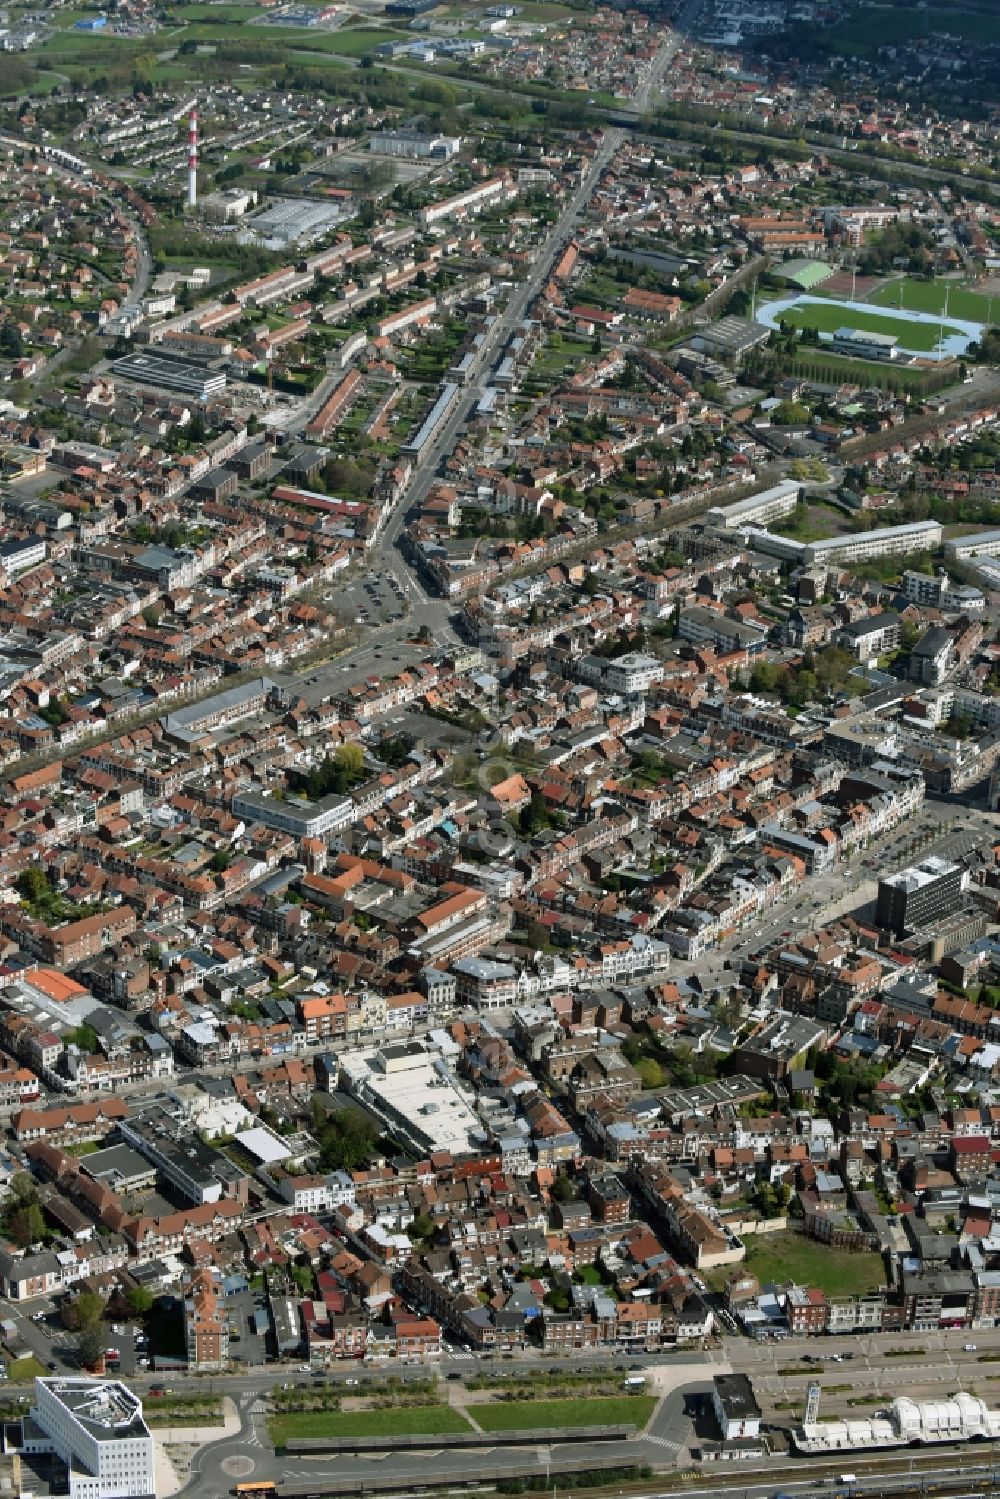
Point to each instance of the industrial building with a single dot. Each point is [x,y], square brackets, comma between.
[171,372]
[294,221]
[730,338]
[904,1423]
[918,896]
[96,1427]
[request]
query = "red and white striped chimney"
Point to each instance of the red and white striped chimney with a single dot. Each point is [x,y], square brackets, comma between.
[193,159]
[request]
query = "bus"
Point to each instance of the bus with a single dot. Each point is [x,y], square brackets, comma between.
[262,1489]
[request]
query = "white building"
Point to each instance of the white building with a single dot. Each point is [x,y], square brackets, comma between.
[758,509]
[96,1427]
[904,1423]
[415,143]
[975,544]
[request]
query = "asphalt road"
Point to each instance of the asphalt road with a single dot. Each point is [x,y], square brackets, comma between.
[942,828]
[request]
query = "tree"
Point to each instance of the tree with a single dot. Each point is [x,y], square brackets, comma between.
[650,1072]
[11,342]
[25,1225]
[90,1346]
[536,935]
[32,884]
[23,1188]
[89,1308]
[151,616]
[563,1188]
[140,1301]
[350,758]
[422,1227]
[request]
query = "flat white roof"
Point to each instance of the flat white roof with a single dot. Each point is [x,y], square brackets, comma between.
[269,1148]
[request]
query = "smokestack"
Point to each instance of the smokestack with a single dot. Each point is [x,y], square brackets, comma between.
[193,159]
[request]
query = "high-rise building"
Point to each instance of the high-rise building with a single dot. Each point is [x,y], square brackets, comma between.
[918,896]
[96,1427]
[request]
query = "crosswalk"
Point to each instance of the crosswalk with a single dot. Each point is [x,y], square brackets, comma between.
[666,1442]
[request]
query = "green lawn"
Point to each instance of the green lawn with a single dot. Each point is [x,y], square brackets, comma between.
[600,1410]
[20,1370]
[916,336]
[790,1256]
[929,296]
[409,1421]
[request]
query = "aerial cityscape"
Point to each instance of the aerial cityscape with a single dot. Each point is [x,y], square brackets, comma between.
[499,749]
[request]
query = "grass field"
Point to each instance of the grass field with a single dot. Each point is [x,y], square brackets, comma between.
[917,336]
[929,296]
[600,1410]
[813,523]
[789,1256]
[408,1421]
[869,28]
[22,1369]
[355,41]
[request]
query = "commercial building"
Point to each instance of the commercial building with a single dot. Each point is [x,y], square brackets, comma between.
[416,144]
[916,897]
[294,814]
[171,372]
[412,1088]
[96,1428]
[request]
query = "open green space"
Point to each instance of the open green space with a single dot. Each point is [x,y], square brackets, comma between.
[915,295]
[20,1370]
[813,523]
[868,28]
[600,1410]
[215,13]
[789,1256]
[917,336]
[356,41]
[415,1421]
